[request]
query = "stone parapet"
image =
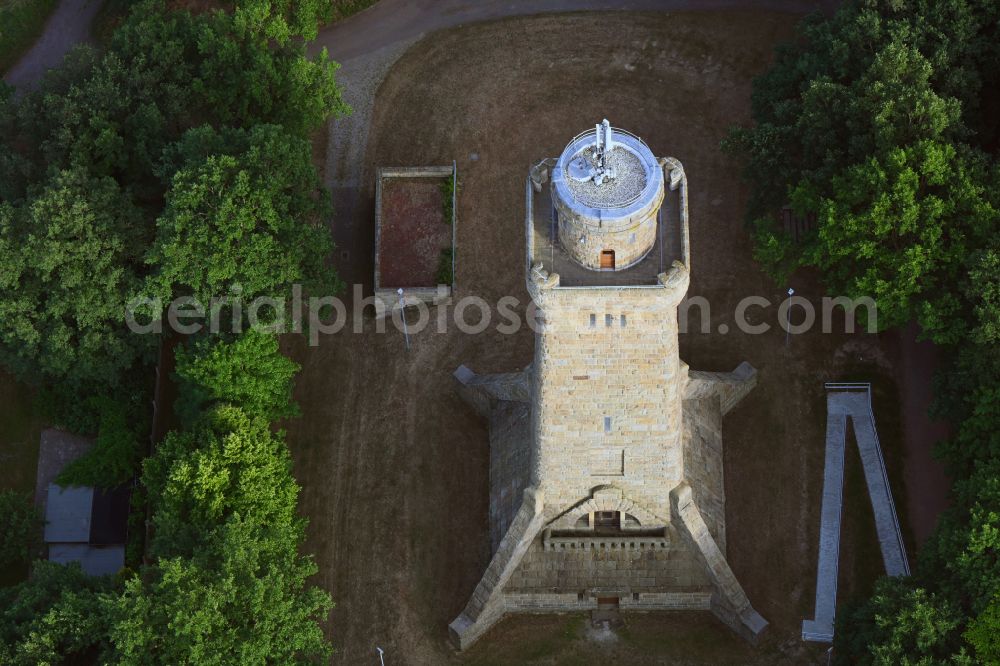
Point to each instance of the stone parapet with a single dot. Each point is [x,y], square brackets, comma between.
[624,542]
[729,387]
[729,603]
[486,606]
[388,301]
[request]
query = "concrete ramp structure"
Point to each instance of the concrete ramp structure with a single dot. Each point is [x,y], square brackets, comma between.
[851,403]
[606,461]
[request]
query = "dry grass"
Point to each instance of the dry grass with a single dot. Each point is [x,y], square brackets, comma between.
[395,467]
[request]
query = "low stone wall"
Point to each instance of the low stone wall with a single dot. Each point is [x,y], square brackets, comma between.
[391,301]
[432,295]
[549,602]
[730,387]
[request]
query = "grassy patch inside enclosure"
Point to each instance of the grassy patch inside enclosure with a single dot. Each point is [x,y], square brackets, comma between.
[21,21]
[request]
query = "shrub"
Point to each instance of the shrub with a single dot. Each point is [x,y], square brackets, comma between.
[20,528]
[114,457]
[449,187]
[248,371]
[445,270]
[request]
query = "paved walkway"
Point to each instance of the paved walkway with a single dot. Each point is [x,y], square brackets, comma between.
[855,405]
[68,26]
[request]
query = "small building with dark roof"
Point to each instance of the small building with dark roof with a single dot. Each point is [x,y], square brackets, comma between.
[82,524]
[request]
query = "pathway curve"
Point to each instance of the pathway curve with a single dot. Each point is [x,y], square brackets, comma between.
[68,26]
[369,43]
[392,21]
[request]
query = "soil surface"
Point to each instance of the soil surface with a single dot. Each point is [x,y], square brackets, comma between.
[413,233]
[395,467]
[918,361]
[392,21]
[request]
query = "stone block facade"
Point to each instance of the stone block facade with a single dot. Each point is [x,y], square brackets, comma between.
[606,475]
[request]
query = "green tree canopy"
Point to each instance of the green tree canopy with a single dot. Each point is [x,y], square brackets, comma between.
[105,191]
[901,625]
[117,450]
[163,72]
[70,263]
[85,167]
[281,20]
[228,464]
[984,633]
[228,586]
[248,371]
[58,615]
[20,528]
[871,121]
[240,598]
[252,218]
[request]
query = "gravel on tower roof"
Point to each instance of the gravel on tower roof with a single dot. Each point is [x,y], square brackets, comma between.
[623,189]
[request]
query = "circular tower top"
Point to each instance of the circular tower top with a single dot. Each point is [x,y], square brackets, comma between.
[607,187]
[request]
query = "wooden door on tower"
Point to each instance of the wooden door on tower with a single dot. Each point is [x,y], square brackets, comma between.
[608,260]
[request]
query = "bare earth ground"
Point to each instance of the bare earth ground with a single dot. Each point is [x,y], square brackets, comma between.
[414,232]
[394,466]
[19,438]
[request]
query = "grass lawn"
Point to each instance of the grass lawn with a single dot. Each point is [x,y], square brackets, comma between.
[19,433]
[21,21]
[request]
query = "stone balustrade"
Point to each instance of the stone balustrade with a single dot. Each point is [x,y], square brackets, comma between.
[611,542]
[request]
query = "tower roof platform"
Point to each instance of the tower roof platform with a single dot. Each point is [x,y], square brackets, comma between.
[545,248]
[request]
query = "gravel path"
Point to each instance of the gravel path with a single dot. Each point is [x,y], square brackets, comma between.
[68,26]
[367,44]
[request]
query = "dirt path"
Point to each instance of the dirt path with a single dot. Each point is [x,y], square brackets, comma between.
[926,482]
[68,26]
[391,21]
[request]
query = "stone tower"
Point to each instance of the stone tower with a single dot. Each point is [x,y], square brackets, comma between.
[606,480]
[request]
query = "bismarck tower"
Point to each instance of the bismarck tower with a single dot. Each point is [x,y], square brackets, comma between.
[606,479]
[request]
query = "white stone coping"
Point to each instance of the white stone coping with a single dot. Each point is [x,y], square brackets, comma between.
[388,300]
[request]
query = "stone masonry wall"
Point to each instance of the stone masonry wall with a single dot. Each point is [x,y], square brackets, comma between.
[672,567]
[585,244]
[510,451]
[607,393]
[703,467]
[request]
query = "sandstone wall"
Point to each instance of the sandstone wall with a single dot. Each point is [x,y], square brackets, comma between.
[607,392]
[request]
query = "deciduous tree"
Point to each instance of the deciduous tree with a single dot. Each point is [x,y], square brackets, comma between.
[252,218]
[248,371]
